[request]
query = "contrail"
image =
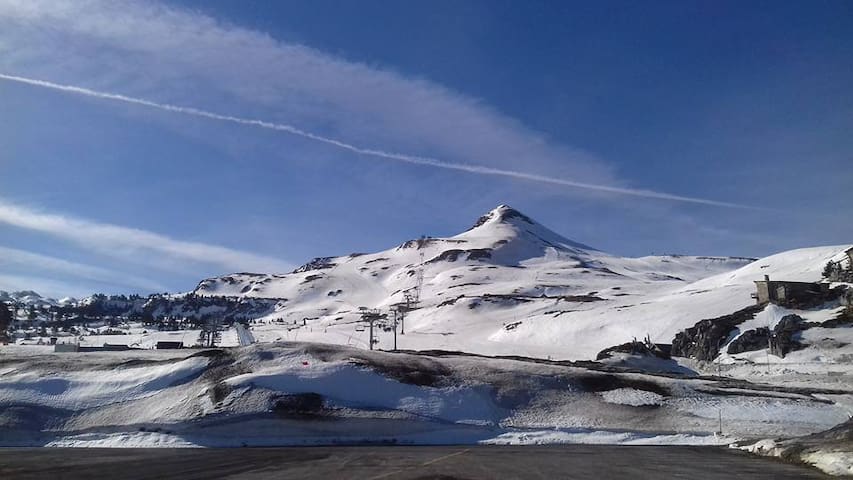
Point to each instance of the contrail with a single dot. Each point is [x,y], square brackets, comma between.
[413,159]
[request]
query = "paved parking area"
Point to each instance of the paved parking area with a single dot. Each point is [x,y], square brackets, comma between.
[395,462]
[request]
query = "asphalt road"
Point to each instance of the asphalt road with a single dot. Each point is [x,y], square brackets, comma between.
[373,463]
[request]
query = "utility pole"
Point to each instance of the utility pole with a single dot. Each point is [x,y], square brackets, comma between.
[769,345]
[720,413]
[720,406]
[767,355]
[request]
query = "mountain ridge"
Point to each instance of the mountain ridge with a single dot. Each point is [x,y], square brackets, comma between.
[506,286]
[505,270]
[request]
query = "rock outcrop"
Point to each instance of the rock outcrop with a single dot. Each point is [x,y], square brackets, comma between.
[750,341]
[704,340]
[647,349]
[783,341]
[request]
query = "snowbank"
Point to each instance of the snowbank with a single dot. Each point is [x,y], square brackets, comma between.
[308,394]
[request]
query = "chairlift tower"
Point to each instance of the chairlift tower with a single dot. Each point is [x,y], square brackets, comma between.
[371,316]
[210,333]
[419,279]
[419,273]
[399,311]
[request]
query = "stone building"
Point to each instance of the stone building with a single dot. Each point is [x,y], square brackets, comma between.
[787,293]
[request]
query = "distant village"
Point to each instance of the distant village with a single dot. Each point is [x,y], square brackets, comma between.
[108,315]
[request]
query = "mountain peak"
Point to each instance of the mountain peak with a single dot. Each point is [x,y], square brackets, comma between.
[508,224]
[502,214]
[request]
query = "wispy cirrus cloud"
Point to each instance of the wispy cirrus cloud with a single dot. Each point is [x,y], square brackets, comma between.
[52,267]
[132,243]
[372,152]
[190,58]
[45,285]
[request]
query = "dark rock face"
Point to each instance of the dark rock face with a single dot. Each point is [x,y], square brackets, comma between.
[454,254]
[423,372]
[844,319]
[311,278]
[423,242]
[479,253]
[504,213]
[447,256]
[299,405]
[318,263]
[659,350]
[783,335]
[781,339]
[750,340]
[509,213]
[703,340]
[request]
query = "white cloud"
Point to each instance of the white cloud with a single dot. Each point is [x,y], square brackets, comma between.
[141,245]
[400,157]
[172,56]
[43,265]
[46,287]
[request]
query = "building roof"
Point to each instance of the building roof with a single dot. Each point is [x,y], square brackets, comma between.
[786,281]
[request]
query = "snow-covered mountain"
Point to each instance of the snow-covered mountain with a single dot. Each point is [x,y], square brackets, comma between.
[29,297]
[508,285]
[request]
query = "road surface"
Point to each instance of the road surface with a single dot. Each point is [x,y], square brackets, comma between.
[395,463]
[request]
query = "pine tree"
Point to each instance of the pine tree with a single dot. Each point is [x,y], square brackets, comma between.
[829,269]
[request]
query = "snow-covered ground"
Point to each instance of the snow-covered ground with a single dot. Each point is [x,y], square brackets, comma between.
[321,394]
[830,451]
[510,286]
[833,463]
[507,286]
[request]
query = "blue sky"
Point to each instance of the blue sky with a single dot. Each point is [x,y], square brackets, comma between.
[743,103]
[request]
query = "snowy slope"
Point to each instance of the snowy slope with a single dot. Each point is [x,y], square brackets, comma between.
[508,285]
[287,394]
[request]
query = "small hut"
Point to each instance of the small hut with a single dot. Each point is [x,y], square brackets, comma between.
[787,292]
